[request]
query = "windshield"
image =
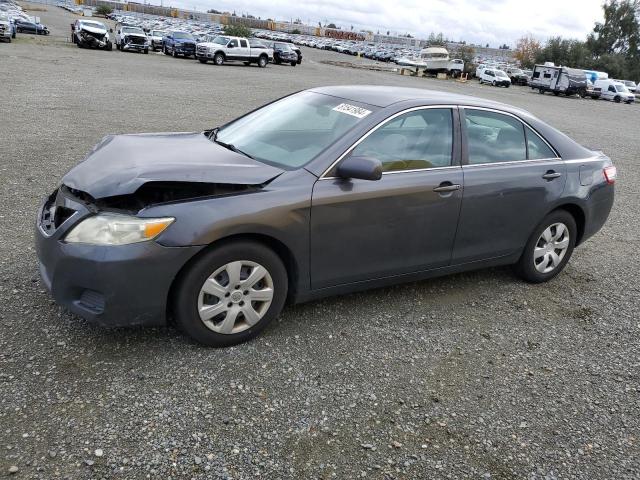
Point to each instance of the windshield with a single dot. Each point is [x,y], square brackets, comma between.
[283,46]
[182,35]
[291,132]
[621,88]
[500,73]
[157,33]
[221,40]
[132,30]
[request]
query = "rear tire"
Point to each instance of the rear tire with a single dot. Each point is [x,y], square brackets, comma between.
[617,99]
[532,269]
[189,300]
[262,61]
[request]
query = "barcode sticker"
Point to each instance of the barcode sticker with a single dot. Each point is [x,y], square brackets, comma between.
[352,110]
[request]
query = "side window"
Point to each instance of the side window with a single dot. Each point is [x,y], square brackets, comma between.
[536,74]
[494,137]
[611,88]
[414,140]
[243,43]
[233,43]
[536,147]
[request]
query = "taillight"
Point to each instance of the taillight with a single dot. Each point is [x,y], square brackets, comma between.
[610,174]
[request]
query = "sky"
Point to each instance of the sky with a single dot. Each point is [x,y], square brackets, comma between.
[476,21]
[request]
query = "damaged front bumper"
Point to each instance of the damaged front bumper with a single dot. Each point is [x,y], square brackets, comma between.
[109,285]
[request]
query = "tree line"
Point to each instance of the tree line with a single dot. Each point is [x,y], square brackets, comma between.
[613,46]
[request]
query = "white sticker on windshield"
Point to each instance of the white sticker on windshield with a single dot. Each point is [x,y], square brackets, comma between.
[352,110]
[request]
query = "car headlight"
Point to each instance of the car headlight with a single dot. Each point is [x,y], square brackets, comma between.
[115,229]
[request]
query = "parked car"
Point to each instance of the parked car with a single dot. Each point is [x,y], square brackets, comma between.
[130,38]
[155,39]
[225,48]
[6,29]
[614,91]
[177,42]
[283,53]
[322,192]
[90,34]
[631,86]
[296,49]
[497,78]
[517,76]
[26,26]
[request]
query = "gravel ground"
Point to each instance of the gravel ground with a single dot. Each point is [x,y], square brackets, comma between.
[469,376]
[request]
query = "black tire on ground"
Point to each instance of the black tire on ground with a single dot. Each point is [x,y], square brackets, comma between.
[556,93]
[202,60]
[276,61]
[218,59]
[184,300]
[262,61]
[293,64]
[164,50]
[493,83]
[174,53]
[541,91]
[525,267]
[617,99]
[146,51]
[109,47]
[247,63]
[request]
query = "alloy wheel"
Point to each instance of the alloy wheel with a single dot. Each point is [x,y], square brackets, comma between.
[235,297]
[551,247]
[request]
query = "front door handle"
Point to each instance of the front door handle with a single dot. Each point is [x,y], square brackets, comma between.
[551,175]
[447,187]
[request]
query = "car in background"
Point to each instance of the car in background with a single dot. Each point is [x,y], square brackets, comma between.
[6,29]
[155,39]
[615,91]
[27,26]
[283,53]
[517,76]
[495,77]
[177,42]
[224,48]
[631,85]
[132,39]
[296,49]
[323,192]
[90,34]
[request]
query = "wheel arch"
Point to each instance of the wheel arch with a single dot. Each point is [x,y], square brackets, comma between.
[578,215]
[283,251]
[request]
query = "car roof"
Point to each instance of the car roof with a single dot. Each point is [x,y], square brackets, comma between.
[384,96]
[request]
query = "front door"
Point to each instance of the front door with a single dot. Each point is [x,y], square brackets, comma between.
[403,223]
[511,178]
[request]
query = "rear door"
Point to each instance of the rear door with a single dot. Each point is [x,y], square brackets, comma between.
[403,223]
[233,48]
[243,50]
[511,178]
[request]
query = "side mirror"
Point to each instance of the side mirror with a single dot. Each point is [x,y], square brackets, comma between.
[230,45]
[362,168]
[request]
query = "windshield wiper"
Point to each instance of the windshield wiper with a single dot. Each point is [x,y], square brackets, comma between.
[233,148]
[213,136]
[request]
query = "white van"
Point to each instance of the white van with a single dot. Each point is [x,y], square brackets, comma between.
[612,90]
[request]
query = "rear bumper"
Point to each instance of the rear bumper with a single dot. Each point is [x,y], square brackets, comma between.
[600,204]
[109,285]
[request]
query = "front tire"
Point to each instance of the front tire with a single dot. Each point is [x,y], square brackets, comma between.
[218,59]
[548,249]
[229,294]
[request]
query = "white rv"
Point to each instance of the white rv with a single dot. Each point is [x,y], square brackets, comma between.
[568,81]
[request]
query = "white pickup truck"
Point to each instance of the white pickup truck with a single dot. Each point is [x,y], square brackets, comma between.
[224,48]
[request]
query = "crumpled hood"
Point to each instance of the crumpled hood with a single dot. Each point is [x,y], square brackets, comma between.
[96,30]
[120,164]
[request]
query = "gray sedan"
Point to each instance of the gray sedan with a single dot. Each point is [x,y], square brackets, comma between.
[323,192]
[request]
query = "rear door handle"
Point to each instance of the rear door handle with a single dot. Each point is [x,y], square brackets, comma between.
[446,187]
[550,175]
